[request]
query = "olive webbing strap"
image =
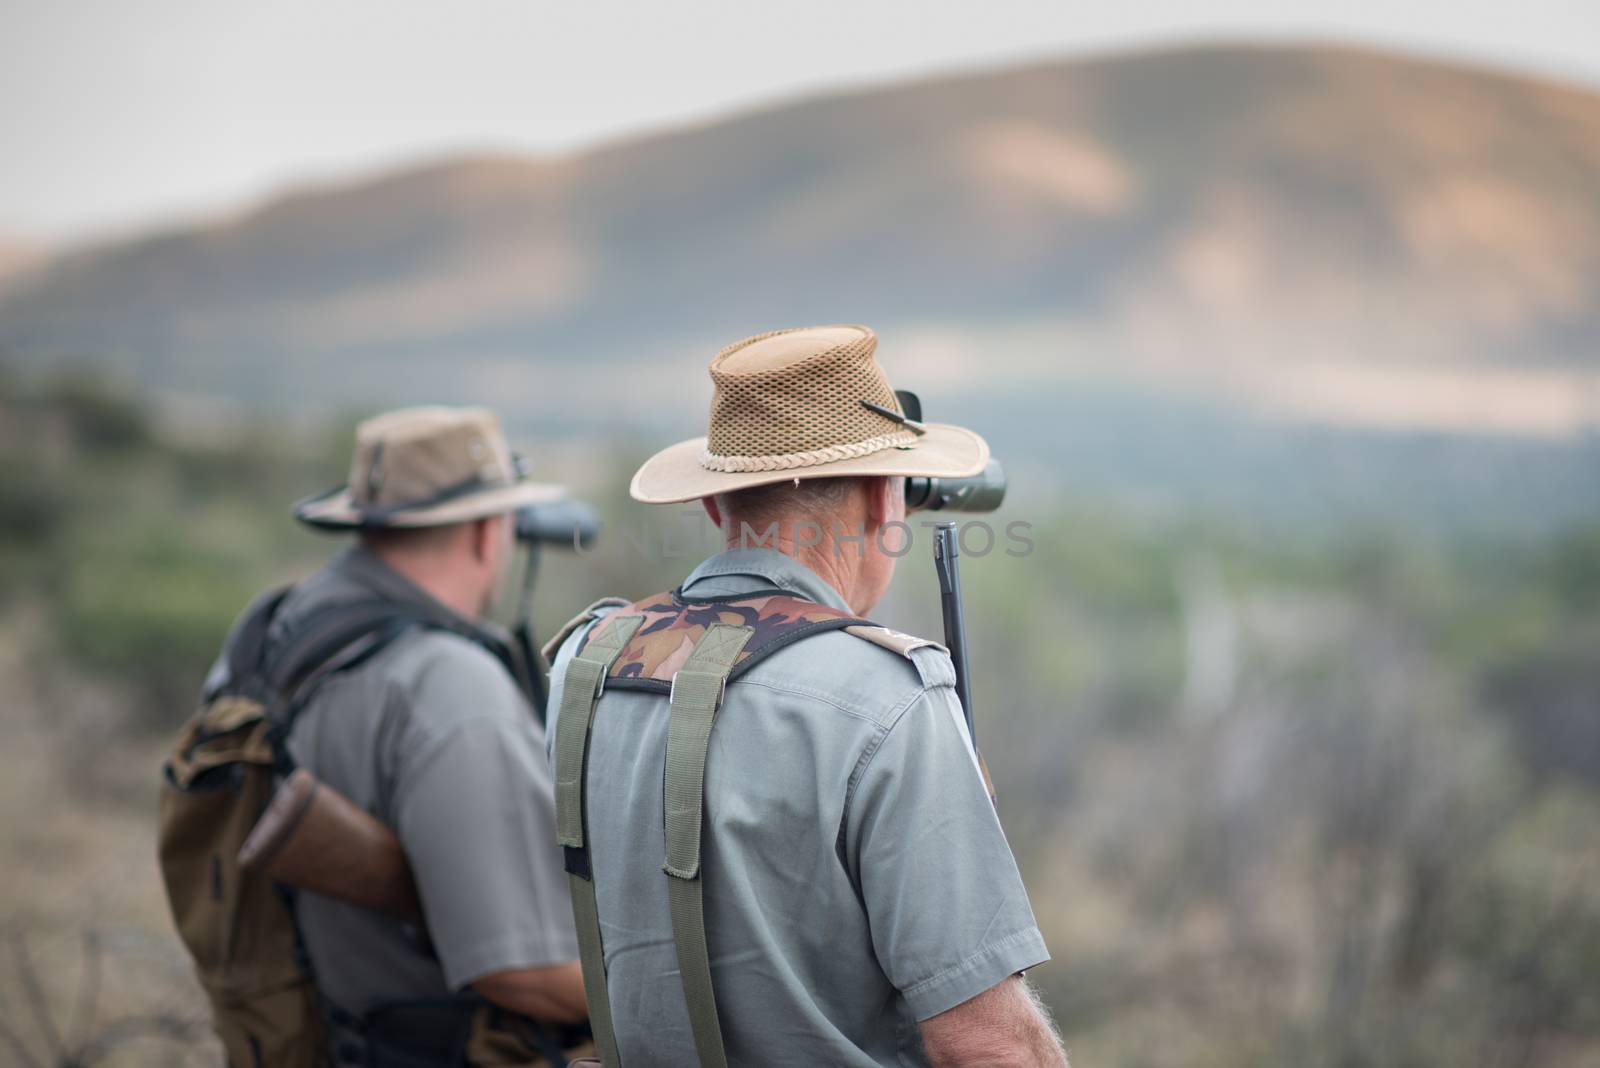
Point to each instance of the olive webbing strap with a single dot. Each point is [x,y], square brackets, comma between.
[697,690]
[581,686]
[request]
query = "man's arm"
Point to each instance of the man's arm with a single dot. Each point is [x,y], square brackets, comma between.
[949,915]
[475,811]
[1003,1027]
[554,993]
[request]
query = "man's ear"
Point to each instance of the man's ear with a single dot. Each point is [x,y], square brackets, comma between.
[712,511]
[881,500]
[482,538]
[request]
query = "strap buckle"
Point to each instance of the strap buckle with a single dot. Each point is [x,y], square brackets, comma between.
[600,679]
[672,691]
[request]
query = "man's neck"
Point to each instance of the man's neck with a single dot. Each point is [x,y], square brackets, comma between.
[436,580]
[832,563]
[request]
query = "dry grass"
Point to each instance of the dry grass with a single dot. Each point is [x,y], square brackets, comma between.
[90,970]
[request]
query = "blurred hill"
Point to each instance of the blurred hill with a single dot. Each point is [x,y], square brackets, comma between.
[18,258]
[1358,243]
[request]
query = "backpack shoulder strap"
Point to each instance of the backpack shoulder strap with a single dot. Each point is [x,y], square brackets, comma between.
[697,690]
[581,686]
[246,642]
[335,630]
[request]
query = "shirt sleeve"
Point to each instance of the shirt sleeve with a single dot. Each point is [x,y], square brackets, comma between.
[475,809]
[949,915]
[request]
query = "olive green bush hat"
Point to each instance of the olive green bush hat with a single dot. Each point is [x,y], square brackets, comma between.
[810,402]
[426,467]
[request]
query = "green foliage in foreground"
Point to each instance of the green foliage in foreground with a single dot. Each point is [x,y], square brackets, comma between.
[1277,802]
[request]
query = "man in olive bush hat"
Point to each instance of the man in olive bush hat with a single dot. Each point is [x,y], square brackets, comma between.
[434,736]
[780,843]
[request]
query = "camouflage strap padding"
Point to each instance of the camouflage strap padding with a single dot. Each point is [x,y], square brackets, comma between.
[580,691]
[672,625]
[697,690]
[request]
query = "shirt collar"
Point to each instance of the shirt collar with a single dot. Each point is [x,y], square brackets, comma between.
[739,571]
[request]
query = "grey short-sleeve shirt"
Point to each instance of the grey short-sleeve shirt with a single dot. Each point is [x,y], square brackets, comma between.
[432,737]
[856,877]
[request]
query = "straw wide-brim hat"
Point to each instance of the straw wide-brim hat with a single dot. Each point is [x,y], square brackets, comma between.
[804,403]
[426,467]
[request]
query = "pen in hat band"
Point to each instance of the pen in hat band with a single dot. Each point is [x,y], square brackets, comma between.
[889,413]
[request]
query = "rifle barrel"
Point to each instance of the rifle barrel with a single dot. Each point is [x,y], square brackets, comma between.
[946,561]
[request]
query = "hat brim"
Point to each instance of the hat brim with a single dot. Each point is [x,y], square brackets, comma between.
[339,511]
[675,474]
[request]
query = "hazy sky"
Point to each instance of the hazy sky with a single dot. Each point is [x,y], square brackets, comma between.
[118,113]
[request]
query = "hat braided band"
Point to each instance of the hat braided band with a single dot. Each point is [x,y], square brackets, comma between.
[786,461]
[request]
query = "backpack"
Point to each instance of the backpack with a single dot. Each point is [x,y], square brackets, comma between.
[239,927]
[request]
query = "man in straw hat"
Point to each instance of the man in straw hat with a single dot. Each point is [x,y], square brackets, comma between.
[433,735]
[780,844]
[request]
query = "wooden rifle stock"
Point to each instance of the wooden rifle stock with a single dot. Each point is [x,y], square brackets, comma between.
[312,837]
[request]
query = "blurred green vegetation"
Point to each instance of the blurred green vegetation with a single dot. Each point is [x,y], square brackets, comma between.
[1329,800]
[140,550]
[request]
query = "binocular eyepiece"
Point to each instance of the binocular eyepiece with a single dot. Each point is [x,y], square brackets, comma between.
[568,523]
[982,492]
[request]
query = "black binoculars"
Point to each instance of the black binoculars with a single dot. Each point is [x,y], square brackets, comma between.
[982,492]
[567,523]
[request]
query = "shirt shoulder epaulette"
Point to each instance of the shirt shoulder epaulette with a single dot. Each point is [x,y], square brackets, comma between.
[931,659]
